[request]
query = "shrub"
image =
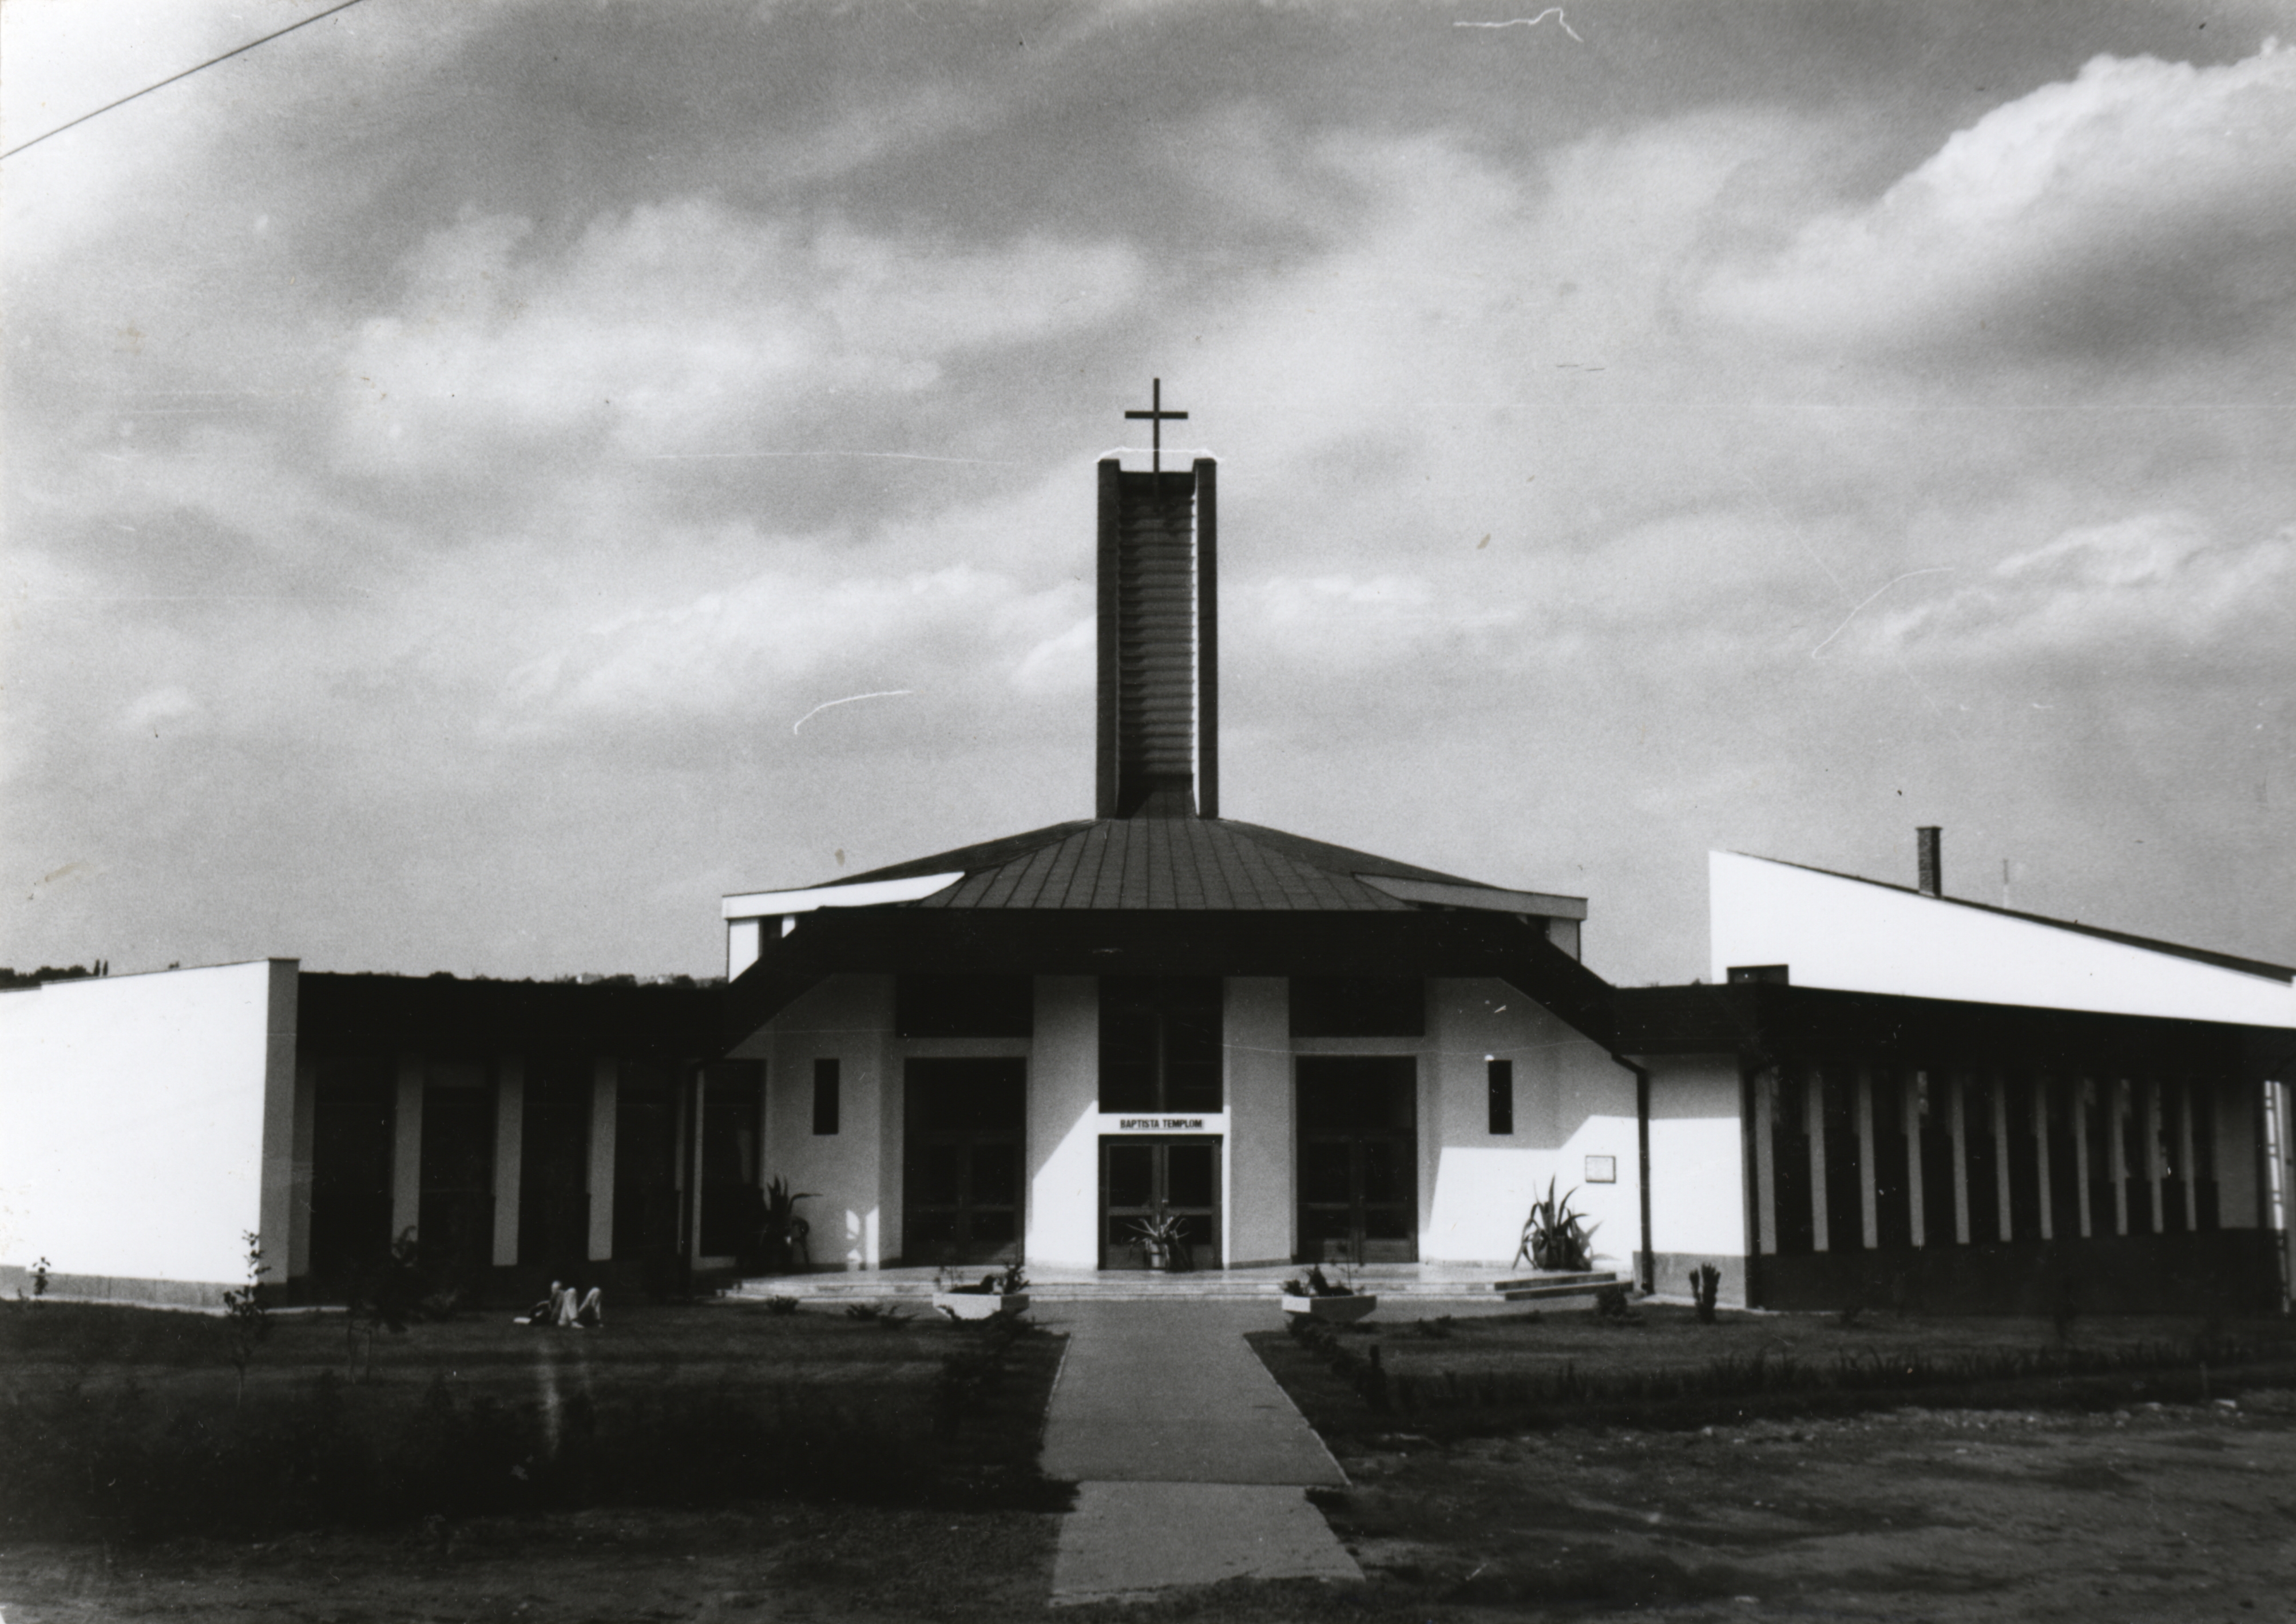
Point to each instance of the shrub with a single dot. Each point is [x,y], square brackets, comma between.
[1705,1287]
[246,1314]
[1555,1237]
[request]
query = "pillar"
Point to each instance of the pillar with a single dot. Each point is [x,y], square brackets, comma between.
[1869,1176]
[298,1258]
[698,1093]
[2186,1158]
[2077,1093]
[1909,1105]
[2045,1176]
[2116,1149]
[605,1095]
[1814,1083]
[1958,1118]
[407,1150]
[2149,1137]
[1766,1148]
[510,1129]
[1260,1210]
[1999,1129]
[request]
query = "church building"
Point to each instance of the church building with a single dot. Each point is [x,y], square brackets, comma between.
[1299,1052]
[1280,1050]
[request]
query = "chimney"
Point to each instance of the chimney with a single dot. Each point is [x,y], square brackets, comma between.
[1158,725]
[1933,862]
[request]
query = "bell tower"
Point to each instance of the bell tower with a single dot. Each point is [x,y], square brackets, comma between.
[1158,687]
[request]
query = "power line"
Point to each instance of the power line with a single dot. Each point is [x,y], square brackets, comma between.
[186,74]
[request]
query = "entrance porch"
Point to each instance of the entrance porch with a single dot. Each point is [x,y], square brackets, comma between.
[1410,1286]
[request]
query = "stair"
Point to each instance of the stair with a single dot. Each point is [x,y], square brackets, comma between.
[1126,1286]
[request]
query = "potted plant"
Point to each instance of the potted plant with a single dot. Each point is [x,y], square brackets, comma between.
[1320,1297]
[1003,1293]
[1555,1237]
[780,1232]
[1162,1239]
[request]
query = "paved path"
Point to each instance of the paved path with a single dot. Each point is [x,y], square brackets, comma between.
[1192,1467]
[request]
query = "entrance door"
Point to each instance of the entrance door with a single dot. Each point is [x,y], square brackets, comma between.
[964,1175]
[1358,1158]
[1137,1177]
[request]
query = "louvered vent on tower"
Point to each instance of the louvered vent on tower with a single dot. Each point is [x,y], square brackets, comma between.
[1158,693]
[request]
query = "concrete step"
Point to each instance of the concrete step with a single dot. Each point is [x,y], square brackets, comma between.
[1126,1286]
[1554,1286]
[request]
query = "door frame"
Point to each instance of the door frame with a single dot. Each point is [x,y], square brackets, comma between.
[1301,1246]
[912,1175]
[1218,1250]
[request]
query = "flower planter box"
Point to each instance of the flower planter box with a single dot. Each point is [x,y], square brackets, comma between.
[981,1305]
[1339,1310]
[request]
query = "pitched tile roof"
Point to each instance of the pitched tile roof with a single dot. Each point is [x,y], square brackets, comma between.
[1160,863]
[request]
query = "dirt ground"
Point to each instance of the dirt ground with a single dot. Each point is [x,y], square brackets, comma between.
[2184,1512]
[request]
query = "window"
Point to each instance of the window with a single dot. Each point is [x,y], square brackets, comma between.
[1501,1082]
[824,1097]
[1358,1006]
[1160,1043]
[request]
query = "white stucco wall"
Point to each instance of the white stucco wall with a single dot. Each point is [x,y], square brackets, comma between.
[854,1209]
[135,1139]
[1261,1149]
[1571,1101]
[1697,1156]
[1854,935]
[1063,1150]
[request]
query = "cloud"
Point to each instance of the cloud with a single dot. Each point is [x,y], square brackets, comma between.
[685,326]
[2142,202]
[172,711]
[790,639]
[2137,588]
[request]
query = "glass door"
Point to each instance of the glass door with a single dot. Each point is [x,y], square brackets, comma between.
[964,1173]
[1180,1177]
[1358,1121]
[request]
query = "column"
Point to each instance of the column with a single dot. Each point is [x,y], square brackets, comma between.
[2185,1158]
[1869,1191]
[1999,1129]
[2077,1091]
[698,1093]
[296,1259]
[407,1150]
[605,1093]
[1959,1120]
[2150,1137]
[1765,1089]
[1910,1102]
[2116,1149]
[2046,1173]
[509,1129]
[1814,1083]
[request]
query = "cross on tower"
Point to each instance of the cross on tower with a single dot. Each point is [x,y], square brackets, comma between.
[1156,415]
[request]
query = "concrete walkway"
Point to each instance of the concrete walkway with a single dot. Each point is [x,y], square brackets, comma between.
[1192,1467]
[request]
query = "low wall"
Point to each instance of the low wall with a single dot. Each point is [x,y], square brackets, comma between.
[2228,1272]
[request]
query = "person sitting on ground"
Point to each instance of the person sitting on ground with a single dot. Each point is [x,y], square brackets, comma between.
[590,1313]
[542,1312]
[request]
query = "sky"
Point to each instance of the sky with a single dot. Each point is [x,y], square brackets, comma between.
[450,450]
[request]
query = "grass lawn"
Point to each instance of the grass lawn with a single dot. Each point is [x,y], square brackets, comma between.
[126,1423]
[1661,1367]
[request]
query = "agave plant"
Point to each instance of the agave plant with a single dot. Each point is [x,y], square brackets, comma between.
[1555,1237]
[780,1232]
[1163,1237]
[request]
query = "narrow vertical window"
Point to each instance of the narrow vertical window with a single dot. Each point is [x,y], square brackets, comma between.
[824,1097]
[1501,1077]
